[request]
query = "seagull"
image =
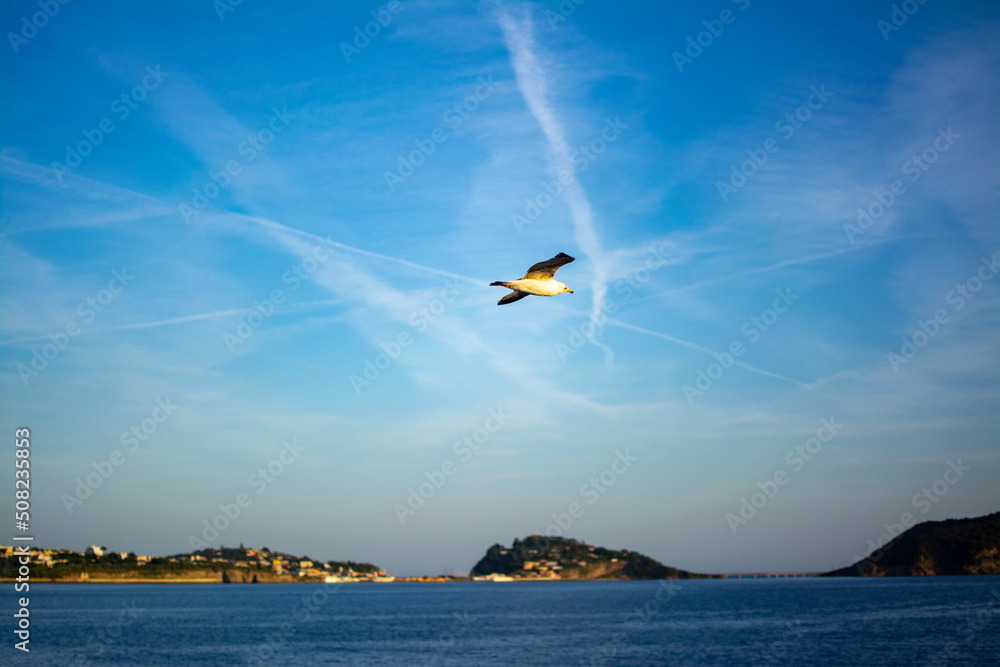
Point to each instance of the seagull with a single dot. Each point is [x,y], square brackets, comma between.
[539,280]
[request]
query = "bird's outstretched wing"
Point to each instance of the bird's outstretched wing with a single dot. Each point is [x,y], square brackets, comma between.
[512,297]
[545,270]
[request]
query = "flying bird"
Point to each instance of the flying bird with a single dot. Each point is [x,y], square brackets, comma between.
[539,280]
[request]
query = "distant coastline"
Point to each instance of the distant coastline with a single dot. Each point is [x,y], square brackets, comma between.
[951,547]
[223,565]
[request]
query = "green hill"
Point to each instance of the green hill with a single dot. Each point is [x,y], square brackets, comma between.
[225,564]
[540,557]
[955,546]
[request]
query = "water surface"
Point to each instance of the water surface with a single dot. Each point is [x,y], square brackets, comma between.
[803,622]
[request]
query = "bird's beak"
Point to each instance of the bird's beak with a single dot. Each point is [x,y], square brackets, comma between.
[569,290]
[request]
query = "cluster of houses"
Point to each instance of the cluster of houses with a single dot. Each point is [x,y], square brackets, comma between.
[265,560]
[251,558]
[546,568]
[532,569]
[285,564]
[52,557]
[541,569]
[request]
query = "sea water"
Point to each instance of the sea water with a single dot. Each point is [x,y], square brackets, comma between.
[813,621]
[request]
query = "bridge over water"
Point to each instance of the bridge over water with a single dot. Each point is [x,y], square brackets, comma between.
[768,575]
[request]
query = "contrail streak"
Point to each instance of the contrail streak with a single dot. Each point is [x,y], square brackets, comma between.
[700,348]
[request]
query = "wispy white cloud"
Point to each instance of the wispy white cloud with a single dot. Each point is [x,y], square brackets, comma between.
[533,84]
[700,348]
[366,282]
[96,202]
[281,228]
[771,267]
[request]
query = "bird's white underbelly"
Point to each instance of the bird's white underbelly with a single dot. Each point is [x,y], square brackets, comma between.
[537,287]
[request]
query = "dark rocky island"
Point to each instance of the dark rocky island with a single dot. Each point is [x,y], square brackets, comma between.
[539,557]
[955,546]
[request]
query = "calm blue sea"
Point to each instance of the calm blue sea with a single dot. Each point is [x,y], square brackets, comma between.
[802,622]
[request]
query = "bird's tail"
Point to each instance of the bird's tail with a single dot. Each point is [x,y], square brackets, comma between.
[501,284]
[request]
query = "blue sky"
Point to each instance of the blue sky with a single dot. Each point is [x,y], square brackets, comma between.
[264,241]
